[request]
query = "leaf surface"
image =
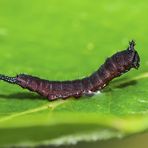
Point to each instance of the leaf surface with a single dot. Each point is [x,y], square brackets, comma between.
[64,40]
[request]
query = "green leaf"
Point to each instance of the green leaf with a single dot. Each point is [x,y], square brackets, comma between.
[60,40]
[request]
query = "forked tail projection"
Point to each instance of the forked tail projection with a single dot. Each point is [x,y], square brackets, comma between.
[8,79]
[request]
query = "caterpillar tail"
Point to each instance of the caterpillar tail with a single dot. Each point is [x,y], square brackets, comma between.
[8,79]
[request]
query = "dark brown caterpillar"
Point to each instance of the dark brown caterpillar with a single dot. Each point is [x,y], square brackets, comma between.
[114,66]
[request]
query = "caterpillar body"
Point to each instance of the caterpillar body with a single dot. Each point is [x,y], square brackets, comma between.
[113,67]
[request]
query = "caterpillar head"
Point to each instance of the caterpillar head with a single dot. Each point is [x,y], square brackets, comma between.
[135,59]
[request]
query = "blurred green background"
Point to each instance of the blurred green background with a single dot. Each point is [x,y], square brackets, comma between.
[66,39]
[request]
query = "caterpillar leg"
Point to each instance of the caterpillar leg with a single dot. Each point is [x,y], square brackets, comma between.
[91,93]
[52,97]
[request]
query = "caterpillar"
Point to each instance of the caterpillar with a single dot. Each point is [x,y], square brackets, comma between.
[113,67]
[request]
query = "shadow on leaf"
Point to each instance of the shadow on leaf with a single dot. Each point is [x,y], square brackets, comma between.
[25,95]
[120,85]
[126,84]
